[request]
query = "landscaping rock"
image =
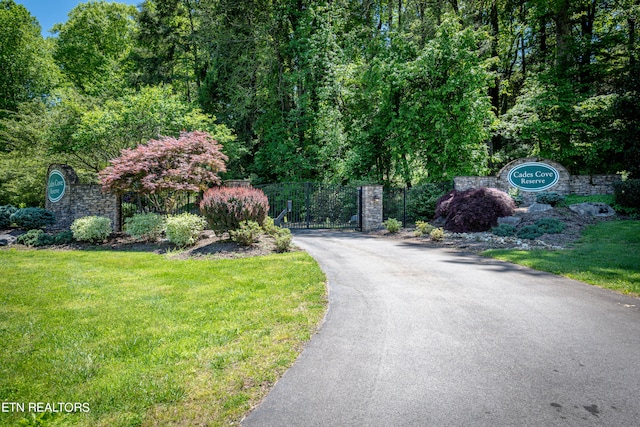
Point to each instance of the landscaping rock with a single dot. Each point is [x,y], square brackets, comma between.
[539,207]
[510,220]
[593,209]
[7,239]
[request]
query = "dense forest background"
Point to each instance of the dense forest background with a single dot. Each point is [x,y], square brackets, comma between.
[398,92]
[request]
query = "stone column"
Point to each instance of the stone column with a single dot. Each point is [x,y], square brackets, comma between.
[371,207]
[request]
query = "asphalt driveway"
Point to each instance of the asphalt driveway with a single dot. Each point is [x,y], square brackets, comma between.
[419,336]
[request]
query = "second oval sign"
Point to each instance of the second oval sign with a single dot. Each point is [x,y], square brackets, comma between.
[533,176]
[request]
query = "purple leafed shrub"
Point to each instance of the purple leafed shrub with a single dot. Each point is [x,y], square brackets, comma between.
[226,207]
[473,210]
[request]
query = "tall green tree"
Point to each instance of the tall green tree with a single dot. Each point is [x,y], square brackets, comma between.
[28,71]
[93,47]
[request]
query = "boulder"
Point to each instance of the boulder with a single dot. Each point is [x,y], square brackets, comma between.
[593,209]
[510,220]
[539,207]
[7,239]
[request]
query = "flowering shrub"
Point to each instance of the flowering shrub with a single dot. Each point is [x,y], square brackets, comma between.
[189,163]
[226,207]
[33,218]
[91,228]
[184,229]
[147,226]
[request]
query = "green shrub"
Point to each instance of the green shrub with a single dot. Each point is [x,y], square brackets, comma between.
[423,227]
[38,237]
[35,238]
[147,226]
[283,240]
[437,234]
[63,237]
[392,225]
[516,196]
[247,234]
[504,230]
[553,199]
[5,214]
[530,232]
[91,228]
[184,229]
[627,193]
[33,218]
[269,226]
[422,199]
[550,225]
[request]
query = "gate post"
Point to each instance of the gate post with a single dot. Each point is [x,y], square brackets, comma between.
[371,203]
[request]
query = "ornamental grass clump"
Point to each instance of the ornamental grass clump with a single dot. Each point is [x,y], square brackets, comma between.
[226,207]
[184,229]
[474,210]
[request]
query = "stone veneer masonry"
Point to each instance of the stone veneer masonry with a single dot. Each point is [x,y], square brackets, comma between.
[582,185]
[82,200]
[371,207]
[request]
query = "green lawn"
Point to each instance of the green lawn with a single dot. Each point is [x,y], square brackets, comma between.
[144,340]
[608,255]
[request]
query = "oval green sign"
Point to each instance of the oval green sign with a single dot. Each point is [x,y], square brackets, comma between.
[533,176]
[56,186]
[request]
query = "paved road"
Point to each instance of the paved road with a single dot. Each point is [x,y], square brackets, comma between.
[419,336]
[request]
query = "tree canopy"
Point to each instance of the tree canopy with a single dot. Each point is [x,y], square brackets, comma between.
[397,92]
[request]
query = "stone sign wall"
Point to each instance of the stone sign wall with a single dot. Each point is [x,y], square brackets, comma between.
[69,200]
[583,185]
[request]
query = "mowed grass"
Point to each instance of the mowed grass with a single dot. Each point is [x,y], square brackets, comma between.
[145,340]
[607,255]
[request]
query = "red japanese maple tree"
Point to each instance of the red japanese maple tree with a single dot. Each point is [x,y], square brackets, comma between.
[191,162]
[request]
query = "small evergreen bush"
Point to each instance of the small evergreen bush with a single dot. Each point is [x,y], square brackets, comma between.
[550,225]
[504,230]
[184,229]
[473,210]
[627,193]
[530,232]
[392,225]
[5,215]
[247,234]
[63,237]
[269,226]
[437,234]
[38,238]
[147,226]
[553,199]
[35,237]
[283,240]
[226,207]
[91,228]
[33,218]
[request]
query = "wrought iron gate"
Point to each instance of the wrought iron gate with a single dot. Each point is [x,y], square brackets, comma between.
[314,205]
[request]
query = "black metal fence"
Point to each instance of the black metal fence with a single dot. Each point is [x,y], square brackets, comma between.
[412,204]
[313,205]
[168,203]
